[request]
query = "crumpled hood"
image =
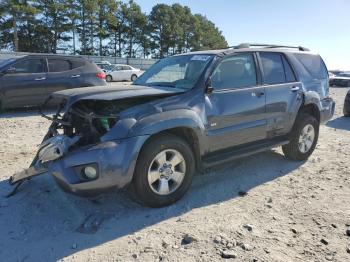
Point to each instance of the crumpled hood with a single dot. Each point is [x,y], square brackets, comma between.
[114,92]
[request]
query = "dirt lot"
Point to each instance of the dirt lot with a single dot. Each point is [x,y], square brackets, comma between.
[292,212]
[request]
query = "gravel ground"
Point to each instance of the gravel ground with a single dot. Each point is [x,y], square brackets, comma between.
[291,212]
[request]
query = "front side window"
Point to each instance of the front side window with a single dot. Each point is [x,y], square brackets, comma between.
[181,71]
[237,71]
[29,66]
[126,68]
[58,65]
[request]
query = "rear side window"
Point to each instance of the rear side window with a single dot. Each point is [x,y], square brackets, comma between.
[29,66]
[76,63]
[290,77]
[313,64]
[58,65]
[272,66]
[276,69]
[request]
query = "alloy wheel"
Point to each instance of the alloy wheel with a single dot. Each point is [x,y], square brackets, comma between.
[306,138]
[166,172]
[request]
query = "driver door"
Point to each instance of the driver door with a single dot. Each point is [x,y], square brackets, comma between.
[235,108]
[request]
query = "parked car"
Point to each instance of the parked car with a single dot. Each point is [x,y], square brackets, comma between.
[346,108]
[123,73]
[28,80]
[340,79]
[186,113]
[105,66]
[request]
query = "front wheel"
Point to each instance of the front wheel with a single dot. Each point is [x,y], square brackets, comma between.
[303,138]
[163,172]
[133,78]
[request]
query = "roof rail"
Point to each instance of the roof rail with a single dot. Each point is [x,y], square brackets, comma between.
[248,45]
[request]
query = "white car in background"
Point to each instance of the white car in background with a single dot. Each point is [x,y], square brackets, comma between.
[123,73]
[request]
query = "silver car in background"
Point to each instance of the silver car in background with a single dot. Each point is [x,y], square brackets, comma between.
[122,72]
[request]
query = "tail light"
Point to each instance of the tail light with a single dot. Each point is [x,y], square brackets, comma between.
[101,75]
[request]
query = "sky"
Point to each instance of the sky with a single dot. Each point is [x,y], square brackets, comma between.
[322,26]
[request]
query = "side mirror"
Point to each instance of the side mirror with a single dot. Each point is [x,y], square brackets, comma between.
[208,86]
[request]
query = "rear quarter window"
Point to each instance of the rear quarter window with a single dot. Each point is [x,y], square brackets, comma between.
[313,64]
[77,63]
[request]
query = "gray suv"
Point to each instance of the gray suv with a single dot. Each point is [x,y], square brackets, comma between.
[186,113]
[27,80]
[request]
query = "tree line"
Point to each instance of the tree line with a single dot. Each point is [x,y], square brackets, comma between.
[104,27]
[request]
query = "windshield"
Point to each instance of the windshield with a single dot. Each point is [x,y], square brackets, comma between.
[176,71]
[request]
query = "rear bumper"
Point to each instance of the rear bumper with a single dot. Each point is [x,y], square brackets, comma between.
[114,161]
[327,110]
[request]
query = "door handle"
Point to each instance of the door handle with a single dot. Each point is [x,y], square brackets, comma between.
[258,93]
[40,79]
[295,88]
[75,76]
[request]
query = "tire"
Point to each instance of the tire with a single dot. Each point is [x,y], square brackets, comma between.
[153,194]
[2,110]
[109,78]
[133,78]
[295,150]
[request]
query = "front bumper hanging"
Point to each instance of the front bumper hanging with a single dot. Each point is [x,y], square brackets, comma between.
[51,149]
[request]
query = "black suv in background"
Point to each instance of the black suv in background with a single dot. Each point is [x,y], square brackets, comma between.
[28,80]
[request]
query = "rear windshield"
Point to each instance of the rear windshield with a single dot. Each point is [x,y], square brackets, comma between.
[314,65]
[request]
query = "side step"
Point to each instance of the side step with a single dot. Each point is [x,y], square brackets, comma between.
[238,152]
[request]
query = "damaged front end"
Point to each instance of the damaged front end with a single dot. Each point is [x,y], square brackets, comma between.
[73,150]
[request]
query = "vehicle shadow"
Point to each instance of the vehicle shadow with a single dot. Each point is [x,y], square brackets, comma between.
[41,215]
[340,123]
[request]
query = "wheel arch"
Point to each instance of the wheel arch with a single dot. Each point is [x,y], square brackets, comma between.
[311,109]
[186,133]
[311,105]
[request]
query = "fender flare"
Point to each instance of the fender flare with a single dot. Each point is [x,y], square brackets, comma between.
[312,98]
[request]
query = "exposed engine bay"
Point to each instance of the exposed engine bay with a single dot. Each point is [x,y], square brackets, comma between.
[90,119]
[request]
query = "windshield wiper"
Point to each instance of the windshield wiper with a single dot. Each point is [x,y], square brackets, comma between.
[161,85]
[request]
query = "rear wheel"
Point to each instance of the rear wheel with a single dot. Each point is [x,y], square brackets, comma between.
[303,138]
[164,171]
[133,78]
[109,78]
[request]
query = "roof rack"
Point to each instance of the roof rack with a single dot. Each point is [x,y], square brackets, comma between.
[248,45]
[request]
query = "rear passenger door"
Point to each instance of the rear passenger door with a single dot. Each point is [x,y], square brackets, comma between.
[283,92]
[117,73]
[61,75]
[127,72]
